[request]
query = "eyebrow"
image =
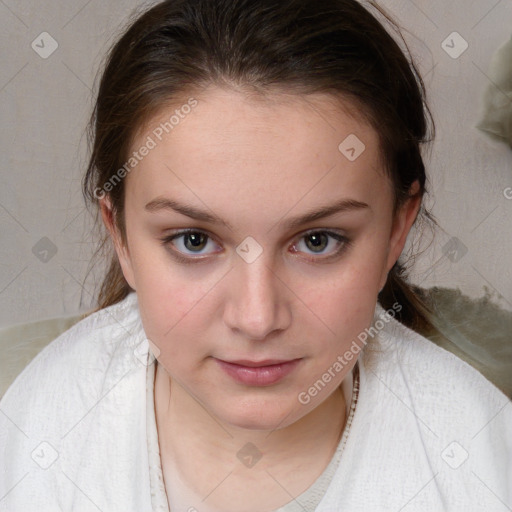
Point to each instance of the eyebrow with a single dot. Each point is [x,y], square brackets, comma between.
[344,205]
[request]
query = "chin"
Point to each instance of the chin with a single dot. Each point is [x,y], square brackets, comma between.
[258,416]
[256,424]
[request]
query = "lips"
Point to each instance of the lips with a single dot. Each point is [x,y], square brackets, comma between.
[258,373]
[258,364]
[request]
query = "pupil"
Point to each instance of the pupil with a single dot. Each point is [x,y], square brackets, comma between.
[317,242]
[196,240]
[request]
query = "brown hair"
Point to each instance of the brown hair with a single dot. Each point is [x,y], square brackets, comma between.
[305,46]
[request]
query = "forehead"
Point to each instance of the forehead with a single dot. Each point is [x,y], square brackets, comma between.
[275,148]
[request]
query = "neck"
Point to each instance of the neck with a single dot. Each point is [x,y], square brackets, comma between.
[200,447]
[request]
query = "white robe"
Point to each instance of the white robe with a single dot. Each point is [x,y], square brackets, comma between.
[429,432]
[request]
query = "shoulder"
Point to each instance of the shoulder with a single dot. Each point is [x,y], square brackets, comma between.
[446,391]
[78,364]
[431,421]
[77,412]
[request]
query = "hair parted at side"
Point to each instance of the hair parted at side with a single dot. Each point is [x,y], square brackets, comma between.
[301,46]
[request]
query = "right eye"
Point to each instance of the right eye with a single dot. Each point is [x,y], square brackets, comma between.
[189,240]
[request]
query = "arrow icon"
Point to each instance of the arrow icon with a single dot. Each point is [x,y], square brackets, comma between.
[44,45]
[249,455]
[351,147]
[249,249]
[454,45]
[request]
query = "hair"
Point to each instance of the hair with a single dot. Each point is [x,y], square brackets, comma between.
[300,46]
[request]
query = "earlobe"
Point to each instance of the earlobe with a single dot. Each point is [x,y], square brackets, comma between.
[122,251]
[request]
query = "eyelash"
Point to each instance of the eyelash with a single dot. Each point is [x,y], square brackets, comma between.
[343,240]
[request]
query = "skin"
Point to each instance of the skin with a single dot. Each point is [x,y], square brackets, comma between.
[254,162]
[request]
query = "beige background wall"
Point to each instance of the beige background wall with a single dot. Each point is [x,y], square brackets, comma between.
[45,104]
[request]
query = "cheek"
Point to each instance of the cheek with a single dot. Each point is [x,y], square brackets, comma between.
[346,308]
[173,313]
[171,296]
[174,327]
[345,302]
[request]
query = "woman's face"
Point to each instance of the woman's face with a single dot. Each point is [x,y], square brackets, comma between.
[251,283]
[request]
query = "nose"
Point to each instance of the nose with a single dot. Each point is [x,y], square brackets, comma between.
[258,301]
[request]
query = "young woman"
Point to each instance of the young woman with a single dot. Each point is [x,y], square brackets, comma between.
[256,348]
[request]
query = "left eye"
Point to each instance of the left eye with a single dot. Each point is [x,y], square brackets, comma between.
[316,241]
[191,240]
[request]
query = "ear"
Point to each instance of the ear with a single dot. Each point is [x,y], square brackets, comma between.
[402,223]
[122,251]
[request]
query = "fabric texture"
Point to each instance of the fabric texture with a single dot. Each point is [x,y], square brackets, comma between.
[429,432]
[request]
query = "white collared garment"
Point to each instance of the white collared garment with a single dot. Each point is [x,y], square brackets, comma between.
[429,432]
